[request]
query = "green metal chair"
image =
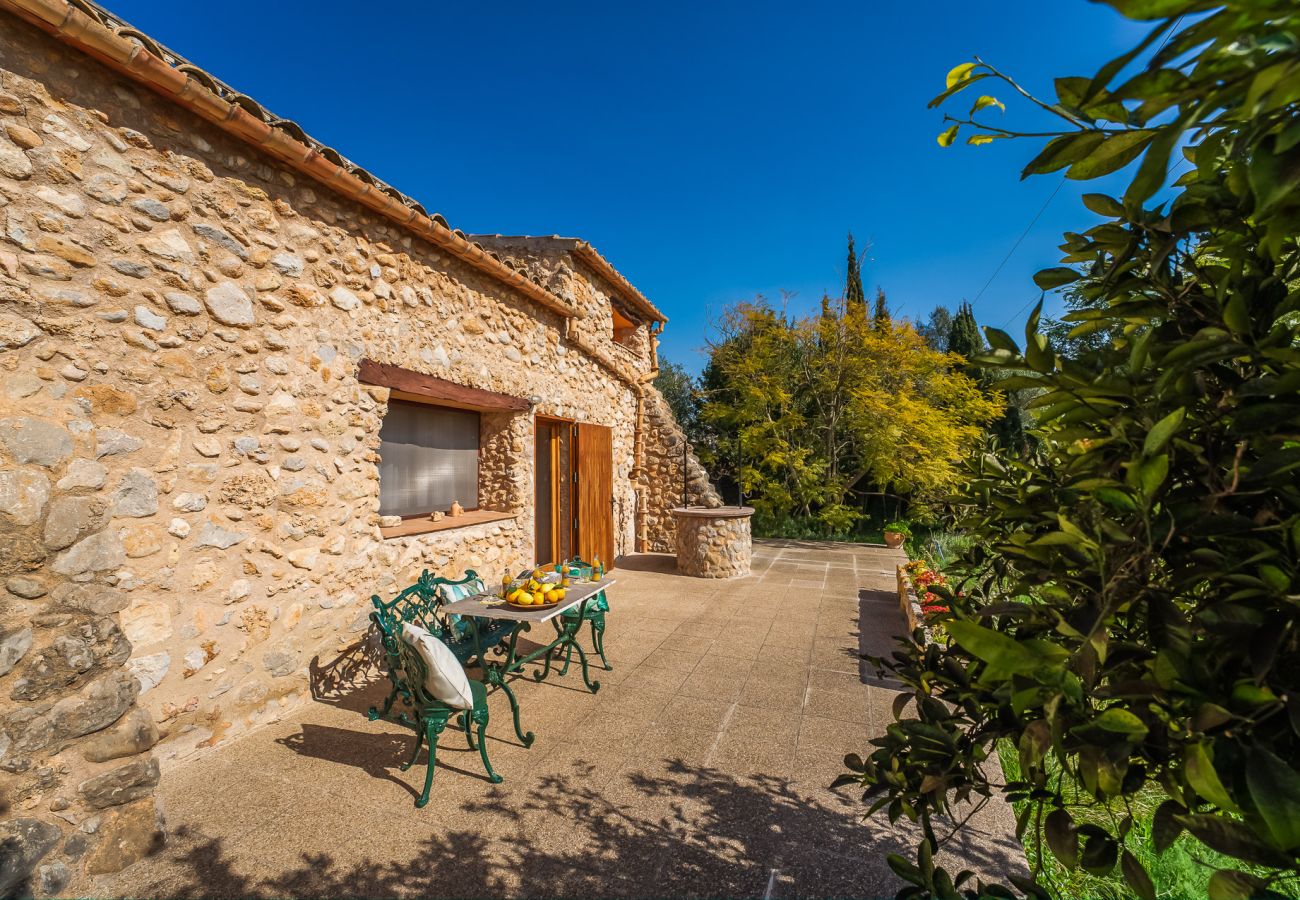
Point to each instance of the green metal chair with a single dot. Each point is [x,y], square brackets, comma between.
[469,639]
[409,672]
[595,615]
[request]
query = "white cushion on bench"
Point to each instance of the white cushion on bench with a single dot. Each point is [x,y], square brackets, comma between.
[446,679]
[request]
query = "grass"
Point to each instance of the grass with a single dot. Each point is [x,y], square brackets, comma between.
[935,545]
[1180,873]
[812,530]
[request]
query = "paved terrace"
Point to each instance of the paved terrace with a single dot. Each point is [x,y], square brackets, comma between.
[701,768]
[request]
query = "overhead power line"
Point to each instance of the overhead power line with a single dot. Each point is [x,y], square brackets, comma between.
[1024,234]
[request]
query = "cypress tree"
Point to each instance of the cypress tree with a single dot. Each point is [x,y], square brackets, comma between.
[854,298]
[965,340]
[880,320]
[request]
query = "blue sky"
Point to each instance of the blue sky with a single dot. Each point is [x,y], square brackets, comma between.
[711,151]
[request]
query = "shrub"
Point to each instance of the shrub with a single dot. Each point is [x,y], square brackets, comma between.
[1127,616]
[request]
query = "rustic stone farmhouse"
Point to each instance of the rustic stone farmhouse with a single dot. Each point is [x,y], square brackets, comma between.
[239,378]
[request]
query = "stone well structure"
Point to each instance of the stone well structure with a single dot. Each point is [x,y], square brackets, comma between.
[191,291]
[713,542]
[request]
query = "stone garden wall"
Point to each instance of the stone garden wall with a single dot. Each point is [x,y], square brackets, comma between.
[188,481]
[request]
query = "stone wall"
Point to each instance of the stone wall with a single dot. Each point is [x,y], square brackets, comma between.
[188,481]
[663,440]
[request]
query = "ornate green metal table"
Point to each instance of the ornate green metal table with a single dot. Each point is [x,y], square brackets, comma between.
[497,672]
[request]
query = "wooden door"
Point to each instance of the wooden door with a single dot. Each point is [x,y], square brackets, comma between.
[594,493]
[547,474]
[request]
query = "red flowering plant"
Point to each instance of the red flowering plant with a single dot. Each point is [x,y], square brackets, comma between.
[923,578]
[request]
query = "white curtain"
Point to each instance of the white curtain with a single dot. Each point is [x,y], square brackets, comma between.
[428,458]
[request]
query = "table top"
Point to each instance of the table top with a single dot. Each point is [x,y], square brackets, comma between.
[490,606]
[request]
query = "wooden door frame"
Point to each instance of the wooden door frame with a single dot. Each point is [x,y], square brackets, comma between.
[555,482]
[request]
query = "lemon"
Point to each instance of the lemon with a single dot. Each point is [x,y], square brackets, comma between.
[557,595]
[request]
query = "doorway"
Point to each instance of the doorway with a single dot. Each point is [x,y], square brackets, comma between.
[553,500]
[574,503]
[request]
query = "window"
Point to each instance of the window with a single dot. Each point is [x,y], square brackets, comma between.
[625,330]
[428,458]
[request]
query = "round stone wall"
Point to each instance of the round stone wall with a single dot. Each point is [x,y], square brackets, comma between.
[713,543]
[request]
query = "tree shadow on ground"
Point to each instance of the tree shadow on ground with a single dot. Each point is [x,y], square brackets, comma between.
[662,827]
[671,829]
[880,625]
[380,755]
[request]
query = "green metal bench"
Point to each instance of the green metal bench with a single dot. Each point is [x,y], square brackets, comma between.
[419,605]
[595,615]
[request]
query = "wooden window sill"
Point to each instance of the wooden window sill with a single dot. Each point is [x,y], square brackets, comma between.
[446,523]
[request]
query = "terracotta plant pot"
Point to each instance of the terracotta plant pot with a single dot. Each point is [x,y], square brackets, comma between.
[894,539]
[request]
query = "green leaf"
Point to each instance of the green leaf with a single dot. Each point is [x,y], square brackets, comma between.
[1000,340]
[1275,790]
[1063,151]
[1115,152]
[948,135]
[1227,884]
[1121,721]
[1115,499]
[1165,827]
[994,647]
[1100,853]
[1161,432]
[1136,876]
[1152,474]
[979,140]
[1152,9]
[1029,885]
[1071,90]
[1199,769]
[1046,279]
[1154,169]
[1232,838]
[1236,315]
[903,869]
[1062,838]
[1103,205]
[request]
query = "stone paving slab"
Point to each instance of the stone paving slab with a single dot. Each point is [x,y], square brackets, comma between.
[700,769]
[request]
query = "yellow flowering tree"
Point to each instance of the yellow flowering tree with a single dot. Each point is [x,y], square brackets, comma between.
[810,414]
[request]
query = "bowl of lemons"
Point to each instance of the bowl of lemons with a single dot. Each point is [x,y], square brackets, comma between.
[536,591]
